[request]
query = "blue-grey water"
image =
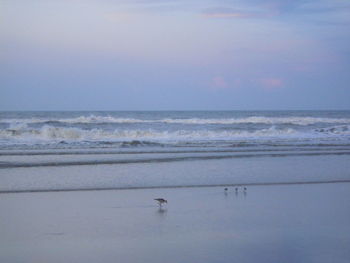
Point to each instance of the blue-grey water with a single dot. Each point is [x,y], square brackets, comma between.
[116,130]
[50,151]
[88,150]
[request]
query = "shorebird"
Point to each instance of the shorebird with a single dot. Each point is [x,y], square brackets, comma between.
[161,201]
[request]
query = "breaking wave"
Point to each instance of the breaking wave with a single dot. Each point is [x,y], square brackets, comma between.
[131,129]
[194,121]
[48,132]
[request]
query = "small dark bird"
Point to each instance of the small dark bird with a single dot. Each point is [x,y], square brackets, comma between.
[225,189]
[245,189]
[236,189]
[161,201]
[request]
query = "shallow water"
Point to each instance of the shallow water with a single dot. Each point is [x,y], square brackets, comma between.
[186,151]
[98,150]
[226,171]
[294,223]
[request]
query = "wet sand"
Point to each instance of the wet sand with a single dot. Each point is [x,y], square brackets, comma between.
[276,223]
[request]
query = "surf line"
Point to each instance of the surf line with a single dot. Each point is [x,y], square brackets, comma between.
[4,165]
[172,186]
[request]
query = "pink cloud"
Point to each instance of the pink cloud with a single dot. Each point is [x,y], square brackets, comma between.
[271,83]
[218,83]
[226,15]
[227,12]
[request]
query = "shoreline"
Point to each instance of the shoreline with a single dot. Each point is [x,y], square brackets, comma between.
[174,187]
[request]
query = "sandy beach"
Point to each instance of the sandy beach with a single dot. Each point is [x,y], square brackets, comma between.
[280,223]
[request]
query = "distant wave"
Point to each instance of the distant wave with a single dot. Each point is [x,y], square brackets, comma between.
[259,120]
[194,121]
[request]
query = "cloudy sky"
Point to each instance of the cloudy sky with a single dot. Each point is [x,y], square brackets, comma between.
[174,54]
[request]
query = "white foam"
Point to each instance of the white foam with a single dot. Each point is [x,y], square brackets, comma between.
[51,133]
[21,133]
[103,119]
[198,121]
[259,120]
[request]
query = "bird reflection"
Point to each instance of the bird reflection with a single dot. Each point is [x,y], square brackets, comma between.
[162,210]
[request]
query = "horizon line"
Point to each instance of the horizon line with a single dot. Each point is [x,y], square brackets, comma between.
[164,110]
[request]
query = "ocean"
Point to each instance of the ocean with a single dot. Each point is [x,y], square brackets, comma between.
[66,150]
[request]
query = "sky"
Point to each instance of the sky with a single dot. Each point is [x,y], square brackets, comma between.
[174,54]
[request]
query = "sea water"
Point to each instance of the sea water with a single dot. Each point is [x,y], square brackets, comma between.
[99,150]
